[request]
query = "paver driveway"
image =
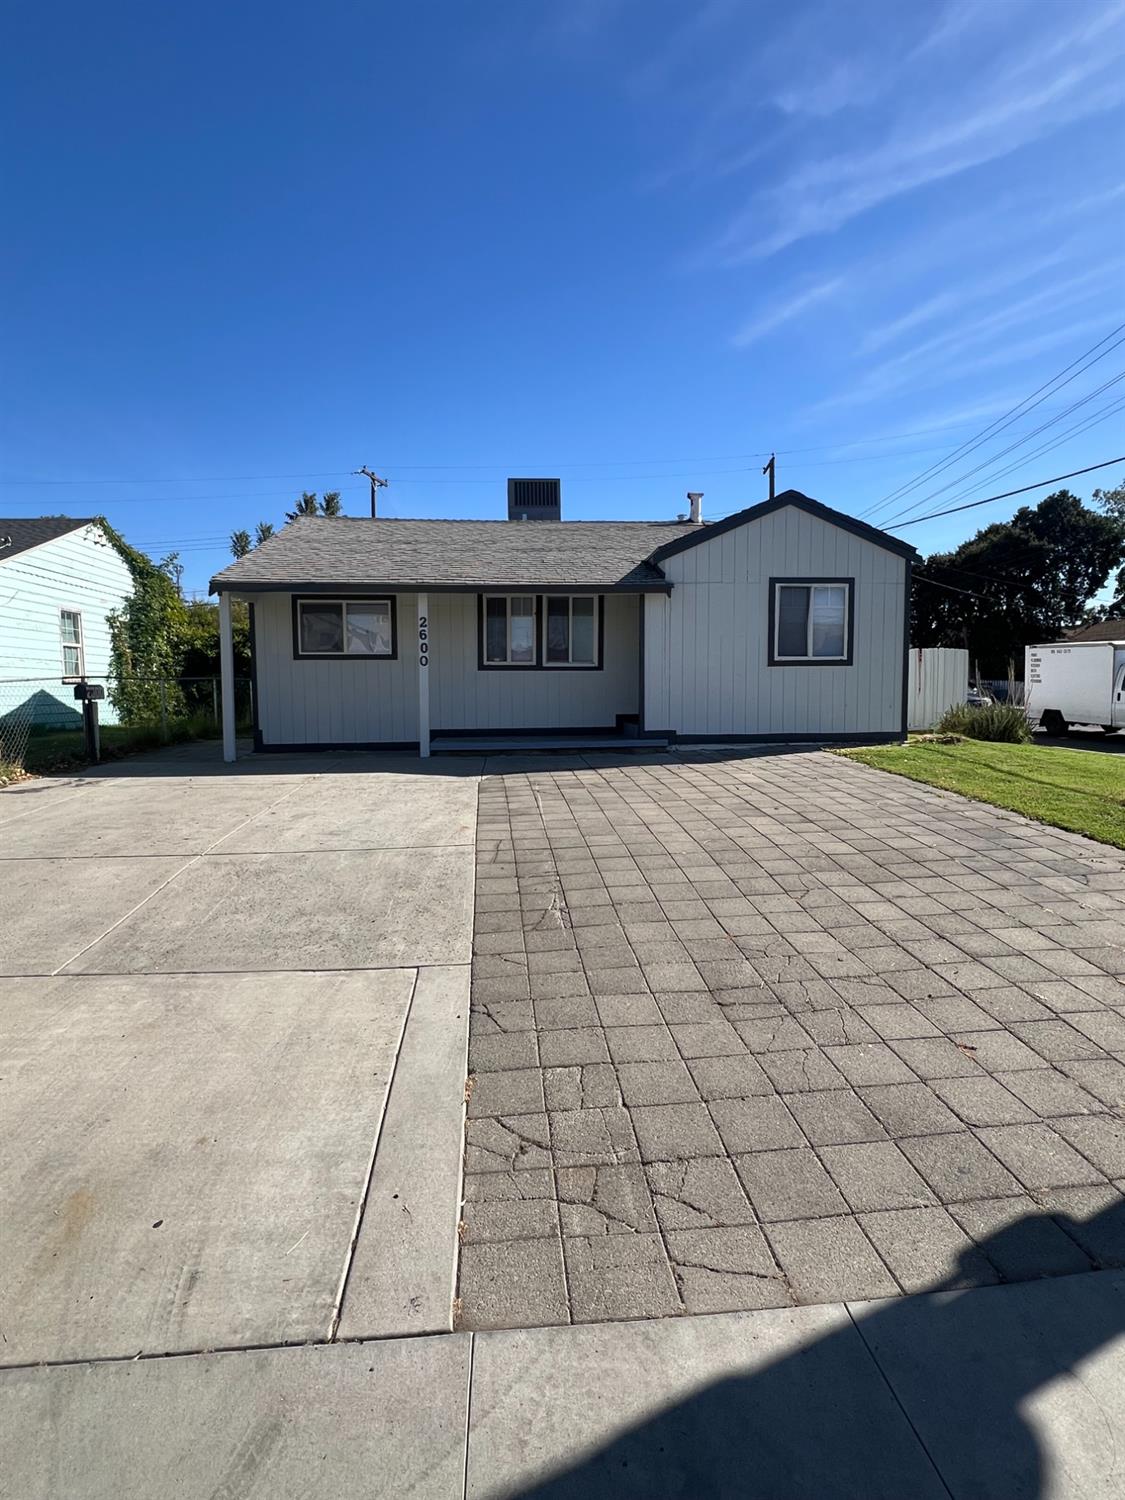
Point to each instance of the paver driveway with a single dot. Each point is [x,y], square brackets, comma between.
[754,1031]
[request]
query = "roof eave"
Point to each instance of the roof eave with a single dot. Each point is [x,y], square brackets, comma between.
[794,498]
[225,585]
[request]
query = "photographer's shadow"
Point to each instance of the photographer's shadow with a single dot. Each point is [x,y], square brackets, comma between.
[917,1397]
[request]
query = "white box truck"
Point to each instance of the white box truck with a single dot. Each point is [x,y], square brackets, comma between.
[1082,682]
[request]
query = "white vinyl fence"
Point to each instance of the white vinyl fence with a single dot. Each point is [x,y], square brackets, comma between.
[937,677]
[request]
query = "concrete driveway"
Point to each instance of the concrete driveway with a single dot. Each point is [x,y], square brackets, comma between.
[776,1029]
[234,1017]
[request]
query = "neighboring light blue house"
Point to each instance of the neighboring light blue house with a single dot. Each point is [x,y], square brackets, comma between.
[59,580]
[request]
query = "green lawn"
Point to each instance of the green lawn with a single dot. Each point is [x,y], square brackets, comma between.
[1081,790]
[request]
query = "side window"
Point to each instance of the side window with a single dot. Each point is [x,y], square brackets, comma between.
[73,653]
[811,621]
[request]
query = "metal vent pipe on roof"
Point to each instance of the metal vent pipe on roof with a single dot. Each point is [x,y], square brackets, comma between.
[695,499]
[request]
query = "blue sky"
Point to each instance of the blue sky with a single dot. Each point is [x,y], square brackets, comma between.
[249,248]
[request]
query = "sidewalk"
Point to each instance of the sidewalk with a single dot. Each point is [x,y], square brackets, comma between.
[1002,1391]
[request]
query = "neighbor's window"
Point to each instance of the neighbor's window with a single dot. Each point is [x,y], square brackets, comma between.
[509,630]
[73,656]
[811,621]
[345,627]
[570,631]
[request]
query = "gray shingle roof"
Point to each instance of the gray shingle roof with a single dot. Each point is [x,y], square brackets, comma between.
[1104,630]
[329,552]
[18,533]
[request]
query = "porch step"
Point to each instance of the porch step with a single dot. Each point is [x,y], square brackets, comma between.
[441,744]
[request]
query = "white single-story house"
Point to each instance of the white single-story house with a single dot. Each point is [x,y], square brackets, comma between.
[785,621]
[60,579]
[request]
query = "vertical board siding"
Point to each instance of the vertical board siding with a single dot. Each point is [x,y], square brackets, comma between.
[81,571]
[706,646]
[371,702]
[464,697]
[361,702]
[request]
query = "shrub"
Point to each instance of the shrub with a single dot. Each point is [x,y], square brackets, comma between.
[995,721]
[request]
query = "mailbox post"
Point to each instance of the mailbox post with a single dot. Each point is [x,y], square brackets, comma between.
[90,695]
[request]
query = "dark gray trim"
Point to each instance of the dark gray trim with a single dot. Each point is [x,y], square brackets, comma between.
[539,665]
[380,591]
[767,507]
[812,661]
[358,595]
[304,747]
[906,649]
[881,737]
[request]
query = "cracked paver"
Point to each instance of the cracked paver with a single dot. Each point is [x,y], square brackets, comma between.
[756,1030]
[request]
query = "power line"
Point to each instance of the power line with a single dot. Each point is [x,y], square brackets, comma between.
[1021,409]
[952,589]
[1049,447]
[1053,442]
[1040,484]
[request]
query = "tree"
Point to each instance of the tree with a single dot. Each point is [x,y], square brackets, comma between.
[306,506]
[145,638]
[1114,502]
[1015,582]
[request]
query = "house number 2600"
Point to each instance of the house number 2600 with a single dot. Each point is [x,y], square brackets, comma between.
[423,641]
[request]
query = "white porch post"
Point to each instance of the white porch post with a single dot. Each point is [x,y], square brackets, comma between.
[226,666]
[424,676]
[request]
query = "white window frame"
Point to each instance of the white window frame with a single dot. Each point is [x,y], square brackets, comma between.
[808,658]
[317,602]
[570,664]
[66,645]
[508,664]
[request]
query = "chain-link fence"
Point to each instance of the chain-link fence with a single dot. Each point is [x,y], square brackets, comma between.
[41,719]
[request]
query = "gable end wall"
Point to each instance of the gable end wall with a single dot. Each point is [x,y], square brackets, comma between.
[707,666]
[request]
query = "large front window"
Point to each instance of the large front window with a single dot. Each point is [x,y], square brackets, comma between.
[345,627]
[811,621]
[541,630]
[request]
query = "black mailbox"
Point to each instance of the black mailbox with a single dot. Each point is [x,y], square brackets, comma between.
[89,692]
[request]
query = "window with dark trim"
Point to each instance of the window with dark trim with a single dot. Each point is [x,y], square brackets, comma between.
[350,628]
[570,630]
[73,646]
[810,621]
[510,631]
[548,632]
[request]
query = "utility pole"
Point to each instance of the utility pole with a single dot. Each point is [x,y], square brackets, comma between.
[377,484]
[769,469]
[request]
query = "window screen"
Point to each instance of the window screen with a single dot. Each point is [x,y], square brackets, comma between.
[343,627]
[509,630]
[811,622]
[70,631]
[571,634]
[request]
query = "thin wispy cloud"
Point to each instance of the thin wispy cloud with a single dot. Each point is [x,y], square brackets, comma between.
[954,123]
[781,313]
